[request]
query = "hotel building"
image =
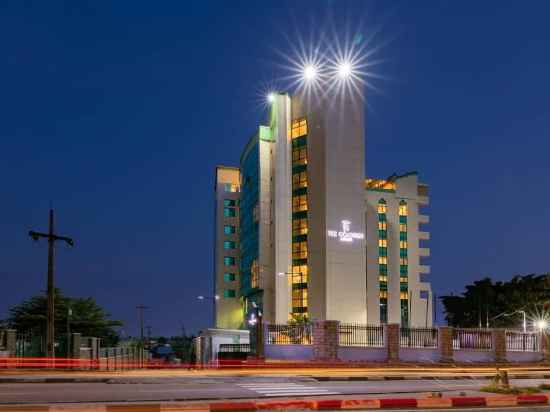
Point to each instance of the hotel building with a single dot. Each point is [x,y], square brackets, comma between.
[300,232]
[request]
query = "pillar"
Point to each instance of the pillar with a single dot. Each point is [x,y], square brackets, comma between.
[499,344]
[445,344]
[391,332]
[11,342]
[325,340]
[545,347]
[75,345]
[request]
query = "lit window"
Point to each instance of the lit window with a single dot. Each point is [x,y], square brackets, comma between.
[299,250]
[299,203]
[299,156]
[403,244]
[229,212]
[230,187]
[299,227]
[402,227]
[229,293]
[299,298]
[382,242]
[229,277]
[299,180]
[382,278]
[382,207]
[254,274]
[299,128]
[403,260]
[403,208]
[403,279]
[383,294]
[383,225]
[229,261]
[229,202]
[228,244]
[228,229]
[382,260]
[404,295]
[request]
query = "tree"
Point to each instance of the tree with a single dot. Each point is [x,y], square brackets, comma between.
[87,318]
[498,303]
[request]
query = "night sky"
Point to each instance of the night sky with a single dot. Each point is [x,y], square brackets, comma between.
[118,112]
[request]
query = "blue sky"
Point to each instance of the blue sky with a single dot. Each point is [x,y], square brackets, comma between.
[118,112]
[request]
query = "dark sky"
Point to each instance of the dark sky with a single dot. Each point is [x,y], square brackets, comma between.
[118,112]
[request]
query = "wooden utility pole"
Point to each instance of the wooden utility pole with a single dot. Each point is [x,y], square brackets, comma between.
[141,308]
[52,238]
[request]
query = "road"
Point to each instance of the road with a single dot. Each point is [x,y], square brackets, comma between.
[217,389]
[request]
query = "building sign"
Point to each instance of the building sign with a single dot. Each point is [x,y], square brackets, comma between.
[345,235]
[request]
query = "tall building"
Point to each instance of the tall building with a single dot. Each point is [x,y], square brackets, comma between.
[308,238]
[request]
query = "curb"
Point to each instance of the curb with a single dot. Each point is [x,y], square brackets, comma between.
[293,404]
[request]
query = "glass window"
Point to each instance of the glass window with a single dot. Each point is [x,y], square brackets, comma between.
[230,187]
[403,227]
[229,293]
[299,180]
[229,261]
[383,225]
[382,242]
[382,260]
[299,128]
[229,202]
[229,277]
[403,279]
[229,212]
[383,268]
[228,244]
[299,227]
[383,294]
[299,250]
[404,295]
[228,229]
[403,244]
[299,156]
[403,260]
[382,207]
[299,203]
[254,274]
[382,278]
[403,208]
[382,251]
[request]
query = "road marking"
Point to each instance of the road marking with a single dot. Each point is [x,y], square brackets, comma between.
[286,389]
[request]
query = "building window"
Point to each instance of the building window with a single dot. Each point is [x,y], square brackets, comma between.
[229,202]
[402,227]
[229,261]
[299,156]
[299,227]
[229,293]
[299,203]
[230,187]
[382,260]
[382,279]
[403,261]
[254,274]
[299,275]
[382,207]
[228,244]
[382,242]
[299,180]
[229,212]
[299,250]
[382,225]
[299,298]
[403,208]
[299,128]
[228,277]
[228,229]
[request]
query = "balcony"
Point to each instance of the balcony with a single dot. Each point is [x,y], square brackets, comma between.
[425,269]
[424,235]
[423,219]
[424,252]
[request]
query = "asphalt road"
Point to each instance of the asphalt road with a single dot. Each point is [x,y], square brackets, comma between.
[171,390]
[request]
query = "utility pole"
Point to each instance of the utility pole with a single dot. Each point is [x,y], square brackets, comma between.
[52,238]
[140,309]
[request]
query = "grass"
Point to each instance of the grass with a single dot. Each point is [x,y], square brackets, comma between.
[513,390]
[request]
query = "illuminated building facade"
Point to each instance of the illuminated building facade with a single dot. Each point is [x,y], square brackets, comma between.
[308,237]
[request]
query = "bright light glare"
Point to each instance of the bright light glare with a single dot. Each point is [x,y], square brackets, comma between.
[271,97]
[344,70]
[200,297]
[542,324]
[310,72]
[217,297]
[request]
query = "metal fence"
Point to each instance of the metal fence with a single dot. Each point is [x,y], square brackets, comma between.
[360,335]
[478,339]
[418,338]
[522,342]
[122,358]
[289,334]
[234,347]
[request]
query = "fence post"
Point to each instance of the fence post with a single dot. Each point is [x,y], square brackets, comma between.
[391,335]
[498,337]
[76,340]
[545,346]
[11,342]
[445,344]
[325,340]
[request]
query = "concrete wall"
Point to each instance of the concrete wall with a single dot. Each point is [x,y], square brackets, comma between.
[289,352]
[352,353]
[524,356]
[422,355]
[468,355]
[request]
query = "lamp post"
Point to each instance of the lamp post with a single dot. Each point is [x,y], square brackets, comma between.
[513,313]
[256,321]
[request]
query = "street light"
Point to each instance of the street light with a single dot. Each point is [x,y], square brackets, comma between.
[542,324]
[203,297]
[310,72]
